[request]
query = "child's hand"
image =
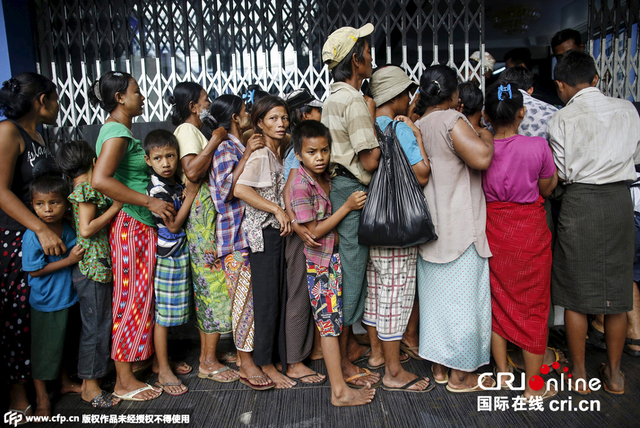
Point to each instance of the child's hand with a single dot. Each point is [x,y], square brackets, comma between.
[76,254]
[255,142]
[118,205]
[305,234]
[356,200]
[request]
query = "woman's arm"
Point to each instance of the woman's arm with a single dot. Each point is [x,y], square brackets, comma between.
[251,197]
[113,150]
[88,224]
[548,185]
[195,167]
[421,169]
[475,151]
[10,147]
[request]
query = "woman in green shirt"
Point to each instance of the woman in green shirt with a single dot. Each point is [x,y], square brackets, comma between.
[122,174]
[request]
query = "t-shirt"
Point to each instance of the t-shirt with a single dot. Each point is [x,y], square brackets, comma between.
[518,163]
[290,162]
[406,138]
[265,173]
[36,160]
[132,171]
[191,142]
[170,192]
[96,263]
[53,292]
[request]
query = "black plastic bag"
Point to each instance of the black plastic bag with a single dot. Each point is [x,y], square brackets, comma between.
[396,213]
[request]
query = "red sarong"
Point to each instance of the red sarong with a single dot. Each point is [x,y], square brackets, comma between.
[520,272]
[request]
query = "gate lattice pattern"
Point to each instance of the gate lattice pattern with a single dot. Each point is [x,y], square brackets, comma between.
[226,46]
[614,41]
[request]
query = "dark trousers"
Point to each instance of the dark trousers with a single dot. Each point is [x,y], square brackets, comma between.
[95,337]
[268,277]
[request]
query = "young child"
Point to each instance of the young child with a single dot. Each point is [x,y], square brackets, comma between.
[52,292]
[310,202]
[171,283]
[93,276]
[471,104]
[520,176]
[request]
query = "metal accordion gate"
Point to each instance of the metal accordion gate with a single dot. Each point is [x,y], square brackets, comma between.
[226,46]
[614,42]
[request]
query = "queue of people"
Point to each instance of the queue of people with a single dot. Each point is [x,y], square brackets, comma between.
[256,231]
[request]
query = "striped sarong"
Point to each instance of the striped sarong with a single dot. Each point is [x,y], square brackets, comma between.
[171,285]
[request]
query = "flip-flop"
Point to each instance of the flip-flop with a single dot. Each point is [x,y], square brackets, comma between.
[309,383]
[403,360]
[411,351]
[164,385]
[143,367]
[604,384]
[562,364]
[628,341]
[595,337]
[21,412]
[405,388]
[211,376]
[130,396]
[476,388]
[572,388]
[188,370]
[440,382]
[100,401]
[365,373]
[549,393]
[228,357]
[495,373]
[247,381]
[364,357]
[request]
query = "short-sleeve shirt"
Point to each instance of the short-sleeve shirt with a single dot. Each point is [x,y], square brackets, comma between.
[309,202]
[517,165]
[230,234]
[595,139]
[454,193]
[167,191]
[290,162]
[132,171]
[265,173]
[406,138]
[53,292]
[36,160]
[191,141]
[347,116]
[96,263]
[536,118]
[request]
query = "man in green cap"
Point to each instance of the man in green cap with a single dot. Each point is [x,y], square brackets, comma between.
[354,156]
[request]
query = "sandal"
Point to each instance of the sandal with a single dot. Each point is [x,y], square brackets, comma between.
[309,383]
[476,388]
[405,388]
[440,382]
[100,401]
[604,383]
[247,381]
[131,395]
[495,373]
[212,375]
[627,350]
[411,351]
[163,386]
[595,337]
[561,360]
[573,389]
[404,358]
[23,413]
[364,357]
[365,373]
[186,368]
[549,393]
[228,357]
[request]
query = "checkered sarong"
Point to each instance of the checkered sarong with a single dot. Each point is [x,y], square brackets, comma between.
[171,285]
[391,275]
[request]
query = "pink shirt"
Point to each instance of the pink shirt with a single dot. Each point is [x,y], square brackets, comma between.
[518,163]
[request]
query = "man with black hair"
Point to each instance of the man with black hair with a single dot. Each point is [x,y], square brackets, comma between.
[538,113]
[354,156]
[596,143]
[517,57]
[566,40]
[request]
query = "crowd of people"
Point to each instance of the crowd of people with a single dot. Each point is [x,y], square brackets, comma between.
[254,232]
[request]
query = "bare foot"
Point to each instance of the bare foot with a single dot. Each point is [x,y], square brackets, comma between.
[67,386]
[356,351]
[170,383]
[299,370]
[468,380]
[402,378]
[123,388]
[281,381]
[440,372]
[226,357]
[352,397]
[613,381]
[410,340]
[91,390]
[207,367]
[180,368]
[253,372]
[43,412]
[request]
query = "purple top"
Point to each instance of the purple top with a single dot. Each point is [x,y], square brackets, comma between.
[518,163]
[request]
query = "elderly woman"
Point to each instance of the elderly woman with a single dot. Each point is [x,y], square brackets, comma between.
[453,271]
[122,174]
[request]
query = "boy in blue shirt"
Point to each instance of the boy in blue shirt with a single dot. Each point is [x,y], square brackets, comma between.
[52,292]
